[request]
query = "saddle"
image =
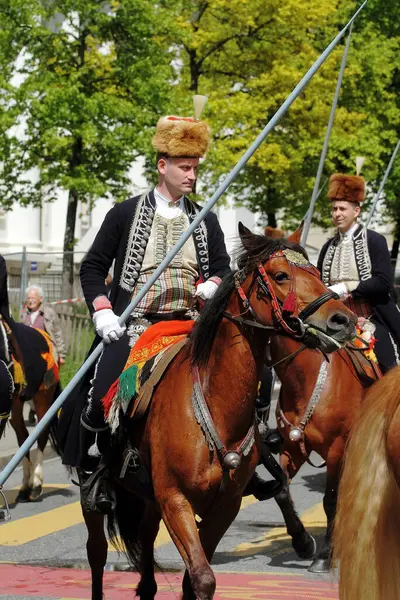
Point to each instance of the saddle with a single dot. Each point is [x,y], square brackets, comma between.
[367,371]
[148,360]
[143,398]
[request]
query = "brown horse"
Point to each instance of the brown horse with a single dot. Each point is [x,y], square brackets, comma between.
[35,376]
[197,442]
[367,528]
[337,393]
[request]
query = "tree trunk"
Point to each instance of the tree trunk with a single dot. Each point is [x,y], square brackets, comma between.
[69,242]
[271,219]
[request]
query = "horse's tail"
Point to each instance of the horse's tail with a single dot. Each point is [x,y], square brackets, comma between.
[124,525]
[367,526]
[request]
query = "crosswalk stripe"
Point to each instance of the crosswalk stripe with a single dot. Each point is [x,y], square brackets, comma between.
[28,529]
[163,536]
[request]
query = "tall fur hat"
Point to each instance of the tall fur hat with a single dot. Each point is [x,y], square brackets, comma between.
[346,187]
[181,137]
[273,232]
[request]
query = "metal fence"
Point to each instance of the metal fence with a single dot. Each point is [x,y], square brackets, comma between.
[78,331]
[39,268]
[45,269]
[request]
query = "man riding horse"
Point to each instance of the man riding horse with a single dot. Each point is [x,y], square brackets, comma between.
[355,263]
[137,234]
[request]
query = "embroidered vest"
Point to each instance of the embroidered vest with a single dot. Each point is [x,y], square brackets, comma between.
[139,235]
[361,253]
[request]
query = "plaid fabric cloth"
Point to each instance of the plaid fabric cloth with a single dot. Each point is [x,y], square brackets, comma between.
[359,306]
[173,291]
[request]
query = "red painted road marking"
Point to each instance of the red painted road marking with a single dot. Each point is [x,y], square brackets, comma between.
[75,584]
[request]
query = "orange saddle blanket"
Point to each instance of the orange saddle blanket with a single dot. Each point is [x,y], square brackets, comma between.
[141,362]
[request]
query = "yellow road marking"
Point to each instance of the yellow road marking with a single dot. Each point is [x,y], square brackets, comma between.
[163,536]
[314,519]
[30,528]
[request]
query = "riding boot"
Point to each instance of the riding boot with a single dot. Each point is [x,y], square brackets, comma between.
[262,489]
[269,436]
[93,474]
[273,439]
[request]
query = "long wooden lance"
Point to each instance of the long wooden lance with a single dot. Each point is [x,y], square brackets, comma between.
[4,475]
[315,193]
[382,185]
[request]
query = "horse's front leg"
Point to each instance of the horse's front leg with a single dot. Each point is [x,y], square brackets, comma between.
[96,548]
[323,561]
[179,518]
[212,529]
[303,543]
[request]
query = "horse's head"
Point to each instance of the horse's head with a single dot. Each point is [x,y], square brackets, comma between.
[280,287]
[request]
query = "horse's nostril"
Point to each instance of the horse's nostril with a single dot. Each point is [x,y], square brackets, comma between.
[338,321]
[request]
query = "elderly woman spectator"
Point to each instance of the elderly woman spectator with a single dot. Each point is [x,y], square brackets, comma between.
[42,316]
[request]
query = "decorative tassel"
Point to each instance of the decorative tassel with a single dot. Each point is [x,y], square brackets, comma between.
[289,306]
[113,417]
[94,449]
[108,399]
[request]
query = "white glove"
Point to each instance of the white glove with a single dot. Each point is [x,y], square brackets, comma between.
[206,290]
[107,326]
[341,289]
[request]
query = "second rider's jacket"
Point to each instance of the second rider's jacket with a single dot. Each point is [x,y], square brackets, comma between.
[363,263]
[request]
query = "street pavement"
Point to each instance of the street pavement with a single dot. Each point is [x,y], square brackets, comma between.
[43,552]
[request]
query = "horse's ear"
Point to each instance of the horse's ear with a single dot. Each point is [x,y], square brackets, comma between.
[295,237]
[245,234]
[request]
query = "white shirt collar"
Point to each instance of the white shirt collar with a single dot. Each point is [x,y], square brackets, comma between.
[349,233]
[166,207]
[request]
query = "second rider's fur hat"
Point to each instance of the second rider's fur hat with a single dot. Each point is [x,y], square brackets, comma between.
[348,187]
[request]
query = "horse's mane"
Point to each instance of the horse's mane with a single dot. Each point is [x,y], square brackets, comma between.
[258,249]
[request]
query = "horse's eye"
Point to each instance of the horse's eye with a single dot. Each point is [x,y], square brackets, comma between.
[281,277]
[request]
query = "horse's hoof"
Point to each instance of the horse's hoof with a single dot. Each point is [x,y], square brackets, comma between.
[36,492]
[24,495]
[307,549]
[320,565]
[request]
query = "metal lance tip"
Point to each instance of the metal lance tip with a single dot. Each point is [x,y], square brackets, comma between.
[231,460]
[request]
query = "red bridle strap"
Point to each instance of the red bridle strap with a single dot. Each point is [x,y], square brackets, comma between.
[274,300]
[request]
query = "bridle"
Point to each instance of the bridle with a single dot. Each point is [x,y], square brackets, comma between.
[284,313]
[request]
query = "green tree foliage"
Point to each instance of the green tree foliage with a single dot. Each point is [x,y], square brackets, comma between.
[82,81]
[248,56]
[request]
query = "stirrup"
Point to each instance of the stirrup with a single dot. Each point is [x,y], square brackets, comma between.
[5,515]
[96,494]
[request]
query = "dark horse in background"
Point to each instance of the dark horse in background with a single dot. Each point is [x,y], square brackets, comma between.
[197,475]
[36,377]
